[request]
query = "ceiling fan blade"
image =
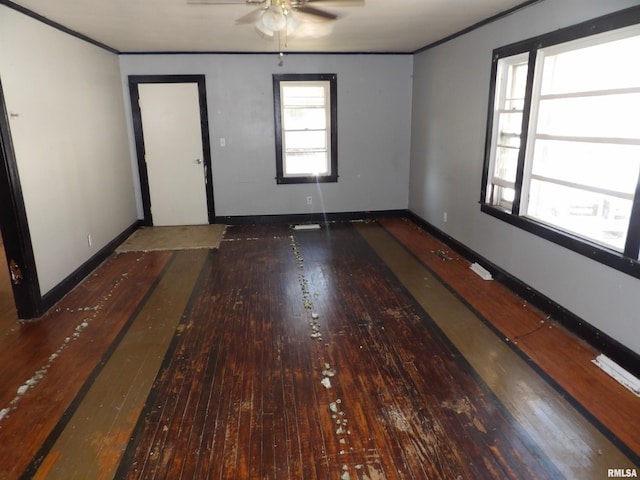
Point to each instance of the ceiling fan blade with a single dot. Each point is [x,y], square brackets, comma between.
[333,3]
[251,17]
[217,2]
[315,12]
[313,30]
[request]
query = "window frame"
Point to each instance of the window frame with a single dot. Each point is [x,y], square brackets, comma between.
[627,261]
[332,176]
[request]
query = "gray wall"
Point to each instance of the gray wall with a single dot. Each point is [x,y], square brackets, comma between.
[374,128]
[450,98]
[68,128]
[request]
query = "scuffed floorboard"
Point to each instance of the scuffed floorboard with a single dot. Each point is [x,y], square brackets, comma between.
[55,356]
[98,431]
[557,352]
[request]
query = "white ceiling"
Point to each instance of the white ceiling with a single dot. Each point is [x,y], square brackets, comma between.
[398,26]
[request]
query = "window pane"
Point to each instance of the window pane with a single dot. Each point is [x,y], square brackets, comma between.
[605,166]
[502,196]
[304,128]
[508,146]
[612,116]
[510,93]
[509,127]
[601,218]
[516,85]
[311,140]
[506,163]
[585,159]
[606,66]
[300,95]
[305,118]
[306,163]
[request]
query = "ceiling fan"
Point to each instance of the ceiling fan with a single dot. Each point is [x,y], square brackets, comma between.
[291,17]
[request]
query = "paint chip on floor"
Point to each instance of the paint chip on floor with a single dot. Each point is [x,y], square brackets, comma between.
[307,226]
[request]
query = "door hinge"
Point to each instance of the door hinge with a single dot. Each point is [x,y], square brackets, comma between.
[16,273]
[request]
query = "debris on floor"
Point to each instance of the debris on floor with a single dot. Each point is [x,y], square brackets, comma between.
[328,371]
[443,255]
[39,374]
[481,271]
[337,414]
[307,226]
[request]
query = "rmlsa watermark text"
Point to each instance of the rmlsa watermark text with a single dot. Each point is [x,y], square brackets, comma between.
[622,473]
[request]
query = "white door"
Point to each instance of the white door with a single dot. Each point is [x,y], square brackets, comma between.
[170,114]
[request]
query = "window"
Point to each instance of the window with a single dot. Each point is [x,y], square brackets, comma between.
[563,142]
[508,113]
[305,121]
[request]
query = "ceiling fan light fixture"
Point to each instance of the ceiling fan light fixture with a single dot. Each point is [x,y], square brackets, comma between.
[273,19]
[287,18]
[261,28]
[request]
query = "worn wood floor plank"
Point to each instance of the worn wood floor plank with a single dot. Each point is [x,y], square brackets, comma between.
[560,354]
[549,419]
[375,447]
[441,460]
[97,433]
[55,355]
[420,387]
[402,402]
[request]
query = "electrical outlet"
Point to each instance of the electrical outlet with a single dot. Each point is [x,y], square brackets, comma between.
[444,217]
[309,200]
[89,240]
[223,142]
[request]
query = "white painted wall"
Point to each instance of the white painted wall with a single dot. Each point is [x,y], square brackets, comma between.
[374,128]
[70,141]
[450,99]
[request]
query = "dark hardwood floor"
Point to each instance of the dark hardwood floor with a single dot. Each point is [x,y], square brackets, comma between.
[346,352]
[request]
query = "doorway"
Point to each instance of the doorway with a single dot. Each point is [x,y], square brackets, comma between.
[172,144]
[19,276]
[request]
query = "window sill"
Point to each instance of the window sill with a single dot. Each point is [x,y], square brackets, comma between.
[309,179]
[598,253]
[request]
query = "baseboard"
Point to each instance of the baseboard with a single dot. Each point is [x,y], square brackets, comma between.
[70,282]
[310,217]
[622,355]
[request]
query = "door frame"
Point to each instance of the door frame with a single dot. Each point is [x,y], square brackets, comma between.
[134,82]
[15,227]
